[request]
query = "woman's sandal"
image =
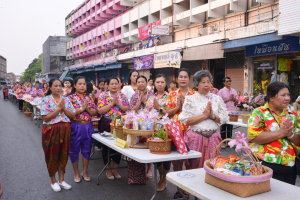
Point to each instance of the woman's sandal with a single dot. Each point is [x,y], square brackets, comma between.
[149,175]
[86,178]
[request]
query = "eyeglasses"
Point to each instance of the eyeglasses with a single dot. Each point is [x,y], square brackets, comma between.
[229,81]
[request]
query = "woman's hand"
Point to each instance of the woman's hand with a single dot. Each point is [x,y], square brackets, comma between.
[61,104]
[142,98]
[207,111]
[286,128]
[211,116]
[85,105]
[156,104]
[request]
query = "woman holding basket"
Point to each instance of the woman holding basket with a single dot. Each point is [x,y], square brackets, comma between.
[111,103]
[273,133]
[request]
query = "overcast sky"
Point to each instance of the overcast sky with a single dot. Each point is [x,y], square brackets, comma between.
[26,24]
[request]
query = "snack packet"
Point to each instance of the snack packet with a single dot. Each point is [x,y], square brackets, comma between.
[221,161]
[227,172]
[233,158]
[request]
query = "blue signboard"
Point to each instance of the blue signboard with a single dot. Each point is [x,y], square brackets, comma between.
[288,44]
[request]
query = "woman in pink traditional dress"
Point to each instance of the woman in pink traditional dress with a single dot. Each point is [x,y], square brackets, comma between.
[203,112]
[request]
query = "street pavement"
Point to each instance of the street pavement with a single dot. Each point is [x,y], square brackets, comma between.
[24,175]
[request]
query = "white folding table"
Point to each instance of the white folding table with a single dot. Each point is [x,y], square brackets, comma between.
[143,156]
[192,181]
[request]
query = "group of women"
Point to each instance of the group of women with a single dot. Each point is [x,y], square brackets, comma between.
[68,128]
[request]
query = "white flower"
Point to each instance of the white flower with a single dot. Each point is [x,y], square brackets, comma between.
[270,158]
[274,127]
[291,163]
[254,147]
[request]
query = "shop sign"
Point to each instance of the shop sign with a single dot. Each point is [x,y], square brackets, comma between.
[289,44]
[144,62]
[168,59]
[150,42]
[160,30]
[145,31]
[265,66]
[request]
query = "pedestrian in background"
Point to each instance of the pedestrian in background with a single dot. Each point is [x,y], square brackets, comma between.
[173,86]
[297,104]
[56,111]
[131,88]
[229,96]
[150,85]
[81,127]
[20,92]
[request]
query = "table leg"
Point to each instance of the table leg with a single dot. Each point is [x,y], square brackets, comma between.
[155,180]
[93,150]
[178,189]
[108,162]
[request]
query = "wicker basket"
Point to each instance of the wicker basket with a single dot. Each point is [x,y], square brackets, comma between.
[233,117]
[245,118]
[160,147]
[118,129]
[242,186]
[28,113]
[133,133]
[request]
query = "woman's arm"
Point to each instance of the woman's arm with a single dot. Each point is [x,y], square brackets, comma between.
[92,112]
[105,109]
[123,108]
[171,111]
[196,120]
[267,137]
[137,106]
[69,113]
[50,116]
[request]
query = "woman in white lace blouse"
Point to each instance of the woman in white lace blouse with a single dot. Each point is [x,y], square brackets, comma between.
[203,112]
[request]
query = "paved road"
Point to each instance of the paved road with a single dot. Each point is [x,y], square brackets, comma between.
[23,171]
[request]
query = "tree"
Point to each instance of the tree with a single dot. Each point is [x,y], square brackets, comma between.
[36,66]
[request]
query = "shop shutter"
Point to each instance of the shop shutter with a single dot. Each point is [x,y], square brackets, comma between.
[235,69]
[288,22]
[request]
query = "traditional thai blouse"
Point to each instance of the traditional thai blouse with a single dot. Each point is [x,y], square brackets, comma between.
[173,100]
[136,98]
[38,92]
[66,91]
[106,98]
[280,151]
[162,101]
[194,105]
[28,90]
[77,102]
[20,93]
[49,104]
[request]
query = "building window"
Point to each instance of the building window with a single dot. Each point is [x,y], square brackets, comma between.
[253,3]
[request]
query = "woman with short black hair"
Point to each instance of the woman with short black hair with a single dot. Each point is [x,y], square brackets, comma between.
[273,133]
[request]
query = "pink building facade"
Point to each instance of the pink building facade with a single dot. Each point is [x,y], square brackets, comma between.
[98,24]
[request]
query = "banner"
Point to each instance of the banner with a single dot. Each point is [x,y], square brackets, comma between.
[160,30]
[145,31]
[168,59]
[150,42]
[144,62]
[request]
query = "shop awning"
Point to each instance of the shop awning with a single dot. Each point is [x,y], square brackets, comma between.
[210,51]
[251,41]
[114,66]
[64,74]
[100,68]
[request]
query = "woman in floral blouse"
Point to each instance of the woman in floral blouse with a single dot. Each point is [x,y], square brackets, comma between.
[174,104]
[29,88]
[81,127]
[20,92]
[68,85]
[56,133]
[273,133]
[111,103]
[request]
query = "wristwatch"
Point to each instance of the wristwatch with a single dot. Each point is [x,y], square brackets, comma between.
[161,110]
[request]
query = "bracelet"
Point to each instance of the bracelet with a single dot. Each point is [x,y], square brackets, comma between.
[291,136]
[215,118]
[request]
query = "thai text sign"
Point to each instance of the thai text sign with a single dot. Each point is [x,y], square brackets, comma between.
[168,59]
[145,31]
[160,30]
[144,62]
[288,44]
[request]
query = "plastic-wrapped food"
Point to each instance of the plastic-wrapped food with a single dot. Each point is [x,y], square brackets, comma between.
[233,158]
[221,161]
[226,171]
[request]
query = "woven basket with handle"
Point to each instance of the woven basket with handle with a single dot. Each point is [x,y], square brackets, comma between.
[233,117]
[160,147]
[133,133]
[242,186]
[28,113]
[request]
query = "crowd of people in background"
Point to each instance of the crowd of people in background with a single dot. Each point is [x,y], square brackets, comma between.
[68,106]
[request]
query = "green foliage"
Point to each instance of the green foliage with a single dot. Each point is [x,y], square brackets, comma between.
[160,133]
[36,66]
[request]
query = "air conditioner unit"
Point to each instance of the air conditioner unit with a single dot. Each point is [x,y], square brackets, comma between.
[103,55]
[213,29]
[116,52]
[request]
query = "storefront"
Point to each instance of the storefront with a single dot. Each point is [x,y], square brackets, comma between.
[276,61]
